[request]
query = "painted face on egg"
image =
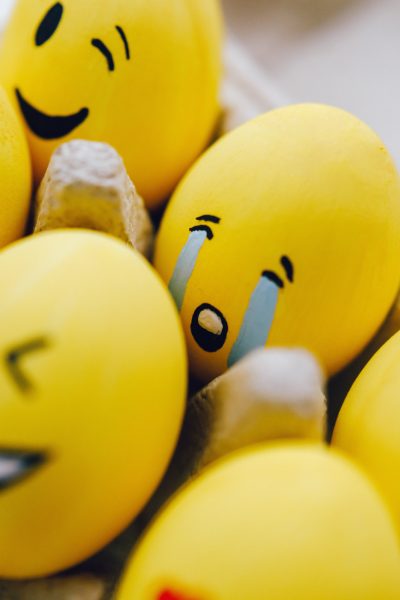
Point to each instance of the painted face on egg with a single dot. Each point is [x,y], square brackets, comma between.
[85,432]
[128,73]
[209,327]
[279,235]
[54,127]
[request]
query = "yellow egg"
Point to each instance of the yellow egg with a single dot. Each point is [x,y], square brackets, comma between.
[276,522]
[286,232]
[15,174]
[92,391]
[368,427]
[142,75]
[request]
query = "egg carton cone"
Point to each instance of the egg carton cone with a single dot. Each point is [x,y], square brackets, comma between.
[87,186]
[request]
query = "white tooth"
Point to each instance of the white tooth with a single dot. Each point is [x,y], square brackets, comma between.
[9,467]
[210,321]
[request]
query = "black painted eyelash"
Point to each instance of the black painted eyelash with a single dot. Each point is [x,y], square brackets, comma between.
[125,41]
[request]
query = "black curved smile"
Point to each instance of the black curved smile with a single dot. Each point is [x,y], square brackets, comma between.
[49,127]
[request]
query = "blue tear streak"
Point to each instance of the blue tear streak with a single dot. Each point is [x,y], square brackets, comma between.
[185,266]
[257,321]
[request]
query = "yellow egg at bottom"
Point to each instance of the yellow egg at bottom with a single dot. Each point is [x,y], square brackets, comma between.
[277,522]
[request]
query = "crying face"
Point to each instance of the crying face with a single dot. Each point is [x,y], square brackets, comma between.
[283,234]
[209,327]
[228,298]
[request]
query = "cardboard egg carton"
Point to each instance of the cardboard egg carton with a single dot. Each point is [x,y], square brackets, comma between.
[250,403]
[116,208]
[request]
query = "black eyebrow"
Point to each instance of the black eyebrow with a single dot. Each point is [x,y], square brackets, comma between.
[209,219]
[289,268]
[125,40]
[274,278]
[105,51]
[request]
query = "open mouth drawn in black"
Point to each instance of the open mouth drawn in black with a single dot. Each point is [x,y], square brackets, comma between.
[17,465]
[208,340]
[49,127]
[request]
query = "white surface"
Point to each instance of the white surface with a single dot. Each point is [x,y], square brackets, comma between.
[342,52]
[4,8]
[247,90]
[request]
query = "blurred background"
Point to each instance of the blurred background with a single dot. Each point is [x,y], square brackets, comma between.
[342,52]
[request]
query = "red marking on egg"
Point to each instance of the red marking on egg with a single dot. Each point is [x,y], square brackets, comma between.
[171,595]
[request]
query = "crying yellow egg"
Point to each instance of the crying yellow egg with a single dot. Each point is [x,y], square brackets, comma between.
[286,232]
[92,393]
[141,75]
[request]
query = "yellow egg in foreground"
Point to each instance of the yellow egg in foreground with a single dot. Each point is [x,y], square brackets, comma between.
[141,75]
[368,427]
[92,393]
[15,174]
[287,233]
[275,522]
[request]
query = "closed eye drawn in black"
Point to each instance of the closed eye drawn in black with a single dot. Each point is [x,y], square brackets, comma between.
[13,362]
[105,52]
[49,24]
[206,228]
[274,278]
[289,272]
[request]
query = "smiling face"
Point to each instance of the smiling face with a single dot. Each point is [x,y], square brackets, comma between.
[285,521]
[86,430]
[129,73]
[285,233]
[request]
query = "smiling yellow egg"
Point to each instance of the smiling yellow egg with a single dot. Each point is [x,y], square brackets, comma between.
[86,428]
[142,75]
[15,174]
[286,232]
[284,522]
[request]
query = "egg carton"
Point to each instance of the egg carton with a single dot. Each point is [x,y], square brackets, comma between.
[247,92]
[215,412]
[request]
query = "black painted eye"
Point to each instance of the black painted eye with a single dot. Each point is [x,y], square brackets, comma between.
[209,328]
[14,357]
[49,24]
